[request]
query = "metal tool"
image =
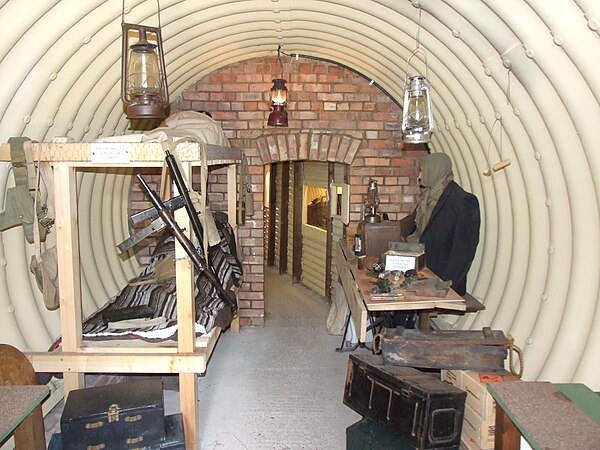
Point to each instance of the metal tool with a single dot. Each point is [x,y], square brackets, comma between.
[156,225]
[151,213]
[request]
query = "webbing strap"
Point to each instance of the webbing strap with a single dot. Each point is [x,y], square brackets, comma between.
[18,207]
[209,228]
[19,162]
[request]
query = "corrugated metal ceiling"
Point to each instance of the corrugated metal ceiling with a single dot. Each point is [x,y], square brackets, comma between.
[531,65]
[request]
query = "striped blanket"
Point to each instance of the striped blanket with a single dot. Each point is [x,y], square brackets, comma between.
[160,293]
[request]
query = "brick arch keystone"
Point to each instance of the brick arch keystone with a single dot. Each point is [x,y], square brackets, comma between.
[316,146]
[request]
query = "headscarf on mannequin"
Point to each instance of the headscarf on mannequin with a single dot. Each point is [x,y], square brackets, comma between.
[436,173]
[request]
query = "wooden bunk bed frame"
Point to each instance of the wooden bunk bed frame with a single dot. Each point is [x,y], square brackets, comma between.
[75,358]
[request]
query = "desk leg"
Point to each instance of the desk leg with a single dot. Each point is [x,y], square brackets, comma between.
[507,435]
[188,399]
[29,435]
[342,347]
[72,381]
[424,321]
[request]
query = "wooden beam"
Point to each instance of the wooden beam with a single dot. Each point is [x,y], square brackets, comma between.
[329,243]
[188,402]
[86,362]
[186,305]
[271,218]
[507,435]
[139,153]
[283,216]
[297,224]
[356,305]
[69,274]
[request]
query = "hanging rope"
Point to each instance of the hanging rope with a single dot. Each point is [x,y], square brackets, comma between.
[512,349]
[377,340]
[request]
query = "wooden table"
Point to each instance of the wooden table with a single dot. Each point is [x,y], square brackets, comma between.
[546,415]
[17,403]
[357,286]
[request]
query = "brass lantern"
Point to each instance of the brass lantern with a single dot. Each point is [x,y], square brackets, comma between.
[417,118]
[143,77]
[371,203]
[278,117]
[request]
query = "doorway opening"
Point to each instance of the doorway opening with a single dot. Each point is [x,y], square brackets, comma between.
[300,224]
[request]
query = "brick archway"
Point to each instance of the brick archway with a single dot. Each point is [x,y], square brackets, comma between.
[316,146]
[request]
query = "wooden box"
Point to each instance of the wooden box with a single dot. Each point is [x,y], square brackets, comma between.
[377,236]
[424,411]
[478,397]
[124,416]
[478,430]
[475,385]
[483,351]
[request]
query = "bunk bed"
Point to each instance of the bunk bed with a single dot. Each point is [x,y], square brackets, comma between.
[186,356]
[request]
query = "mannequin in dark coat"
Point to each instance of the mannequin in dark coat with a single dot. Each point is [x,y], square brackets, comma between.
[447,222]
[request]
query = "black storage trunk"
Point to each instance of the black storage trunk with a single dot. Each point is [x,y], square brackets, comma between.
[117,416]
[420,408]
[369,435]
[174,438]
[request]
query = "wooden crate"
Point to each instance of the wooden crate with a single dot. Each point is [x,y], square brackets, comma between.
[483,350]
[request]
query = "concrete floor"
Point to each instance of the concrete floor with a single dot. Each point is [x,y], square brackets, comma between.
[279,387]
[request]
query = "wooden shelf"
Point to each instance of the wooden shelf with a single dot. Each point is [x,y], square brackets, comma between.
[76,357]
[140,154]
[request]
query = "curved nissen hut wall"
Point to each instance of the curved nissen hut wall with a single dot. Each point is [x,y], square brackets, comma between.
[511,80]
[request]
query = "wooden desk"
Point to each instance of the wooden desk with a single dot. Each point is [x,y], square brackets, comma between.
[546,415]
[17,404]
[357,286]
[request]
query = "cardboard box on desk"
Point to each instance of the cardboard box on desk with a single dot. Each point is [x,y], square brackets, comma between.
[404,256]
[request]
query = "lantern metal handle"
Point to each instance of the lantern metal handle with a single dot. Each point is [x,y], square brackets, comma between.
[412,54]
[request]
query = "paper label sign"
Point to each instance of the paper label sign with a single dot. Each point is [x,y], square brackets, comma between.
[400,262]
[110,153]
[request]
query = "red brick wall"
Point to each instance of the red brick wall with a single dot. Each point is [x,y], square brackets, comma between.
[328,106]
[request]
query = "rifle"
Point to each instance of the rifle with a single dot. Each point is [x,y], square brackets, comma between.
[187,201]
[195,255]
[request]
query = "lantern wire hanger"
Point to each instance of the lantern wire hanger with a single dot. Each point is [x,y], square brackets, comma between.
[487,172]
[503,163]
[417,115]
[144,90]
[278,117]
